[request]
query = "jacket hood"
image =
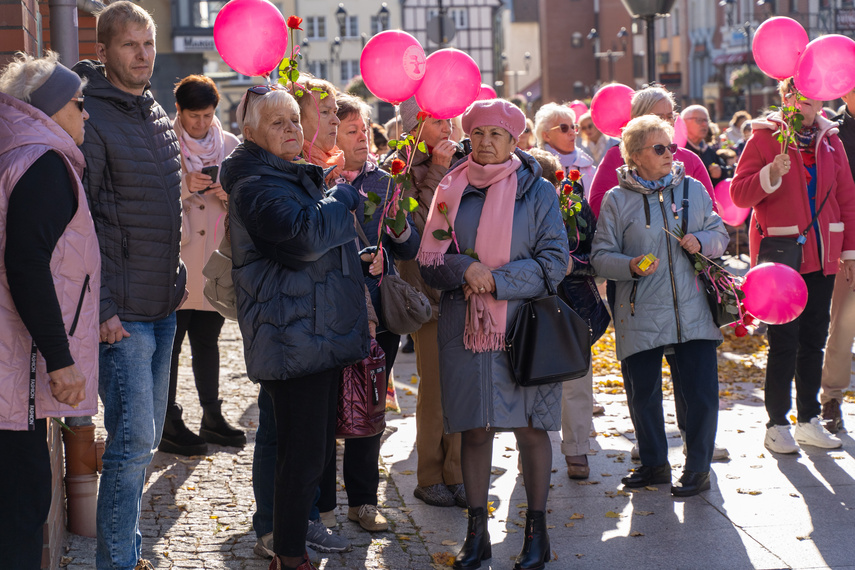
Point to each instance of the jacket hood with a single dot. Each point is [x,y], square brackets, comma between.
[98,86]
[249,159]
[773,122]
[627,181]
[22,124]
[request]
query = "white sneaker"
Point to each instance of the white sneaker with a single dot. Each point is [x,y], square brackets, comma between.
[719,453]
[812,433]
[779,440]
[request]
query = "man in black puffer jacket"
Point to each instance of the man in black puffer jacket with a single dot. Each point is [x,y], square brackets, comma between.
[132,181]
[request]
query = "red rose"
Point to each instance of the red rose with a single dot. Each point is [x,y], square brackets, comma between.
[740,331]
[747,320]
[442,207]
[294,22]
[559,174]
[574,175]
[568,189]
[398,166]
[423,116]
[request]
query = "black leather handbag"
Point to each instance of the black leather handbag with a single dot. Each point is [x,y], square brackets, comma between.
[581,294]
[547,341]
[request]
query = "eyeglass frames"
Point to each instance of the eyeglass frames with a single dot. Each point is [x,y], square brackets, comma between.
[565,128]
[660,149]
[79,101]
[259,90]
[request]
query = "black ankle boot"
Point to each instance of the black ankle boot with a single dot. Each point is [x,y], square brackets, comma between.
[535,551]
[177,438]
[477,545]
[215,428]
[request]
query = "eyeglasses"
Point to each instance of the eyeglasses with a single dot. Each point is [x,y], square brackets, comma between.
[666,116]
[79,101]
[587,127]
[259,90]
[660,149]
[565,128]
[699,120]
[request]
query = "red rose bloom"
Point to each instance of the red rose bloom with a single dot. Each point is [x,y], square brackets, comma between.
[423,116]
[747,320]
[398,166]
[574,175]
[740,331]
[442,207]
[568,189]
[294,22]
[559,174]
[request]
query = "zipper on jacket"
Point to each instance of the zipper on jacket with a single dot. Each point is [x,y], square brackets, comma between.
[83,291]
[125,251]
[671,267]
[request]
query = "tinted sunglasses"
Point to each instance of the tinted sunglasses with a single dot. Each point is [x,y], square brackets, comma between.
[660,149]
[79,101]
[259,90]
[565,128]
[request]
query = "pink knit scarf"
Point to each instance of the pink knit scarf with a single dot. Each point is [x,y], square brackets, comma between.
[197,153]
[486,317]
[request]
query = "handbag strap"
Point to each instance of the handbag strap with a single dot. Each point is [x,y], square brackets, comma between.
[810,224]
[361,232]
[549,287]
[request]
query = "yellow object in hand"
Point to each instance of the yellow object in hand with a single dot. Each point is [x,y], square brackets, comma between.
[646,262]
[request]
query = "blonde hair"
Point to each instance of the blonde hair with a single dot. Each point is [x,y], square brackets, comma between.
[114,18]
[25,74]
[637,131]
[258,105]
[643,101]
[547,114]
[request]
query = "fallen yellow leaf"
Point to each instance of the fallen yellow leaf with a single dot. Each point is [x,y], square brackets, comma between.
[612,515]
[449,542]
[576,516]
[636,533]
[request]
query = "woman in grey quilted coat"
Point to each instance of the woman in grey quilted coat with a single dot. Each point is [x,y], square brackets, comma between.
[660,306]
[498,206]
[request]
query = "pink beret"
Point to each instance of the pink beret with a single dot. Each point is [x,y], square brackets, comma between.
[494,113]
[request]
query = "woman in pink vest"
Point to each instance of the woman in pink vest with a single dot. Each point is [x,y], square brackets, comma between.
[50,277]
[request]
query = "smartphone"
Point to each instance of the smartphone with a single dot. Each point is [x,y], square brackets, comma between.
[212,172]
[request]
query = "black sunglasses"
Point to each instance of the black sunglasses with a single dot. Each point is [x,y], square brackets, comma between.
[79,101]
[260,90]
[660,149]
[565,128]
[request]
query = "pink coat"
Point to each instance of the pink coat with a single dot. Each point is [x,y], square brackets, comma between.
[783,210]
[26,134]
[606,177]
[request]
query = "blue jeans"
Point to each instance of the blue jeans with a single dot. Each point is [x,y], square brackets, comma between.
[133,385]
[264,468]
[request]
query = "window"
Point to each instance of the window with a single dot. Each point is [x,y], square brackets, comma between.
[375,25]
[349,69]
[351,27]
[318,69]
[204,13]
[316,27]
[675,19]
[460,16]
[794,6]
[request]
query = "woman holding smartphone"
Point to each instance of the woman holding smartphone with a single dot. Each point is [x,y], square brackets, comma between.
[204,145]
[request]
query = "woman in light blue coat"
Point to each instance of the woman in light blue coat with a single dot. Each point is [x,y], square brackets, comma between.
[661,306]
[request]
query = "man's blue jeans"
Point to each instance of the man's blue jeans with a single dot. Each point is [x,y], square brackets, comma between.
[133,385]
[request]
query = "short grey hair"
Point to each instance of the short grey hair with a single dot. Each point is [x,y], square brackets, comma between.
[258,105]
[692,109]
[26,73]
[547,114]
[636,132]
[643,101]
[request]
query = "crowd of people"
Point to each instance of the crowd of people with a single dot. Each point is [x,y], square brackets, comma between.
[109,211]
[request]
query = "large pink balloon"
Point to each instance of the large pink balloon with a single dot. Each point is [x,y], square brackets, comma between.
[392,66]
[251,36]
[610,108]
[732,214]
[777,44]
[578,107]
[774,293]
[681,135]
[452,82]
[486,92]
[826,69]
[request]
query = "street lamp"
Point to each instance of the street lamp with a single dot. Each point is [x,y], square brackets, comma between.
[594,38]
[305,47]
[341,18]
[335,53]
[383,17]
[649,10]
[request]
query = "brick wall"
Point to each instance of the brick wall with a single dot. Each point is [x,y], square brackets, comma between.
[55,526]
[18,31]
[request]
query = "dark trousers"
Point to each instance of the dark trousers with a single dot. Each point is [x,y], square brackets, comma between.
[797,348]
[695,374]
[361,454]
[203,328]
[305,412]
[25,484]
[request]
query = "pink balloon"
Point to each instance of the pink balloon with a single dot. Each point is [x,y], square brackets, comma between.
[732,214]
[681,135]
[452,82]
[393,66]
[578,107]
[826,69]
[487,92]
[610,108]
[251,36]
[777,44]
[774,293]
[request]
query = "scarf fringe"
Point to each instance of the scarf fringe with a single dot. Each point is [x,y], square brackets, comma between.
[483,342]
[431,258]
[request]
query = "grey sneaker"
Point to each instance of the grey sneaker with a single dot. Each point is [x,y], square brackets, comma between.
[264,548]
[459,495]
[436,495]
[322,539]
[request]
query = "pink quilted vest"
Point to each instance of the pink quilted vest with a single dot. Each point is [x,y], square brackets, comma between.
[26,134]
